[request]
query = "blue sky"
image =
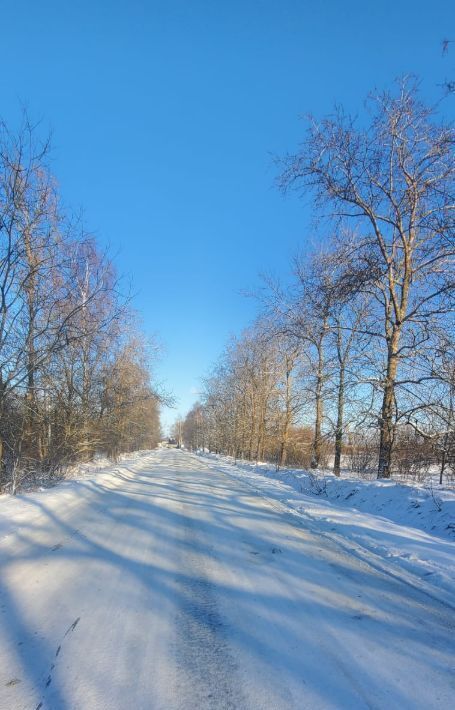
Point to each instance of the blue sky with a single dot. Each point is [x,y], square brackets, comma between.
[165,118]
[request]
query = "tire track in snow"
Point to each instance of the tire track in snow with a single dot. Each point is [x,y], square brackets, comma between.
[206,670]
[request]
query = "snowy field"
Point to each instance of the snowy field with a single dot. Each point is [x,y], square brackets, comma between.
[411,525]
[170,581]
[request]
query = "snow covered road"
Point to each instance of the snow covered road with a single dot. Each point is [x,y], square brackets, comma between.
[167,584]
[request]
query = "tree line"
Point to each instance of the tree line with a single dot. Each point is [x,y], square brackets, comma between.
[352,363]
[74,366]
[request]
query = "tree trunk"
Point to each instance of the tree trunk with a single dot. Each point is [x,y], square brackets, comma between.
[283,449]
[386,424]
[1,457]
[284,443]
[261,434]
[339,424]
[443,466]
[32,425]
[316,454]
[2,430]
[287,421]
[252,429]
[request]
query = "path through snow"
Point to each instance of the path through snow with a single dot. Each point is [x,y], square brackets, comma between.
[167,584]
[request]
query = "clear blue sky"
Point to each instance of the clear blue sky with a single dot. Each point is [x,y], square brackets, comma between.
[165,116]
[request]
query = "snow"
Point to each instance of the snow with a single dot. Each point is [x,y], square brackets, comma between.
[20,509]
[165,582]
[411,525]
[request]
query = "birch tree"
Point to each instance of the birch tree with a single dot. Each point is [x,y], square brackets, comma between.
[393,176]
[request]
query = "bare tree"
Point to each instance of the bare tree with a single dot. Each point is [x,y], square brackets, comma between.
[60,312]
[393,178]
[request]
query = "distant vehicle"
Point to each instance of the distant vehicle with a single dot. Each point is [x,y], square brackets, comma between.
[169,443]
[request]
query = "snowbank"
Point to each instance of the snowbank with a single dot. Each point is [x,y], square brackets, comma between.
[20,509]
